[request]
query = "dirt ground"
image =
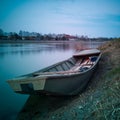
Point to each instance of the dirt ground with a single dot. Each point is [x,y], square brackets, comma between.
[100,100]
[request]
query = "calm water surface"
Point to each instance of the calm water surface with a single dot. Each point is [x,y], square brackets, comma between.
[22,58]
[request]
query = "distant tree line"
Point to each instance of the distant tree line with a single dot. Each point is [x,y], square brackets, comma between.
[25,35]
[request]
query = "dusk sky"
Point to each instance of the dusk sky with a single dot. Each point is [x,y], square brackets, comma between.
[95,18]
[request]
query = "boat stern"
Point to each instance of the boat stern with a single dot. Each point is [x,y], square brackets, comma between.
[28,85]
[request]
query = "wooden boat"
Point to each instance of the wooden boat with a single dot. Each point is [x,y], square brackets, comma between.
[68,77]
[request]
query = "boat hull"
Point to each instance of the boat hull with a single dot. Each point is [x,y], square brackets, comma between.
[59,83]
[70,85]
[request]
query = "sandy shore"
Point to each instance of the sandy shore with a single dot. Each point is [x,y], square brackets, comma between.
[100,100]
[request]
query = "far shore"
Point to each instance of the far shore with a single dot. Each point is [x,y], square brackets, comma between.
[48,41]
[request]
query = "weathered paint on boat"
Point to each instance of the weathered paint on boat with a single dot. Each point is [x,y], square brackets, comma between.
[63,78]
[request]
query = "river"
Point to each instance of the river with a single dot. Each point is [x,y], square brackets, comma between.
[22,58]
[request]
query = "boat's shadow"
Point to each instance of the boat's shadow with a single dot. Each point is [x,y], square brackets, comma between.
[43,105]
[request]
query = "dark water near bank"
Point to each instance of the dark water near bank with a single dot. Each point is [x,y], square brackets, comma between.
[22,58]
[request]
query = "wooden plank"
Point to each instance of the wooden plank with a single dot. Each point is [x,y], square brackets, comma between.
[59,68]
[65,67]
[52,70]
[71,61]
[54,73]
[68,64]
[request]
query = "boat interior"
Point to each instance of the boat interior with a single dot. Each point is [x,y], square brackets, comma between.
[72,65]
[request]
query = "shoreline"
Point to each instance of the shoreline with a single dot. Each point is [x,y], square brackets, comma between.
[48,41]
[36,41]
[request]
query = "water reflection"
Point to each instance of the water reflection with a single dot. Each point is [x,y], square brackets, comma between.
[24,49]
[33,48]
